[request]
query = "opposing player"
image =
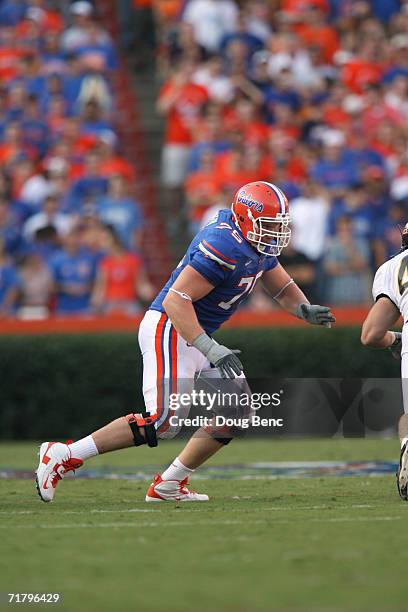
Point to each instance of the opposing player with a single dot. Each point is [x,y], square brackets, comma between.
[390,293]
[220,268]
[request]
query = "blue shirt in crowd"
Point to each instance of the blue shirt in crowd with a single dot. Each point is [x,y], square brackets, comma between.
[77,270]
[124,215]
[9,279]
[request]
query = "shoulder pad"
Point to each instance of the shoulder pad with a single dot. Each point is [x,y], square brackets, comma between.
[224,243]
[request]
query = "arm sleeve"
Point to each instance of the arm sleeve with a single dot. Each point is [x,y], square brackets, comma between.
[380,288]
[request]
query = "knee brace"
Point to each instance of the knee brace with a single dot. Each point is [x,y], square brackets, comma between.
[145,421]
[222,434]
[223,441]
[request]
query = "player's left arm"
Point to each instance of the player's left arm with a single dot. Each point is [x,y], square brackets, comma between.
[291,298]
[375,331]
[283,289]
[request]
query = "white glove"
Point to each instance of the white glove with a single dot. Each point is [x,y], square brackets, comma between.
[315,315]
[222,357]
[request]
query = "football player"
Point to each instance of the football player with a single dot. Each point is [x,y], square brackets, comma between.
[220,269]
[390,293]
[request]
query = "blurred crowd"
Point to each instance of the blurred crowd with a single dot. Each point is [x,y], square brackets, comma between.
[309,94]
[69,228]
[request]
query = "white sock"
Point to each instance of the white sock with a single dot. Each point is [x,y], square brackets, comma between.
[176,471]
[83,449]
[404,441]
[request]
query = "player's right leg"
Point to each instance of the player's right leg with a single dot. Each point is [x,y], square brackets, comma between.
[56,459]
[402,472]
[169,366]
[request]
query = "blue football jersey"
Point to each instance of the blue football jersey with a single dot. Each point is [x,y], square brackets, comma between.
[220,253]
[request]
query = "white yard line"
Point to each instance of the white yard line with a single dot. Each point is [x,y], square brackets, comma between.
[212,522]
[145,510]
[94,511]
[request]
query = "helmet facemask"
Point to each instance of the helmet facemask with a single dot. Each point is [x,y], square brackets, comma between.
[270,234]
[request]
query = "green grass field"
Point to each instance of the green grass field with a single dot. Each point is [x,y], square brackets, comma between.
[325,543]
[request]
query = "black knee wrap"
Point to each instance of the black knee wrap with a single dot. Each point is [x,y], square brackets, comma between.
[223,441]
[222,434]
[146,422]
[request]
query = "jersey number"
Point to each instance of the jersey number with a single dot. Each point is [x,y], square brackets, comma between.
[403,275]
[233,232]
[249,283]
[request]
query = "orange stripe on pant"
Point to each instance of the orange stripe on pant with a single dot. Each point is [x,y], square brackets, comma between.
[159,363]
[173,382]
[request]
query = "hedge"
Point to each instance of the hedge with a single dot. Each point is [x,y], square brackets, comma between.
[66,386]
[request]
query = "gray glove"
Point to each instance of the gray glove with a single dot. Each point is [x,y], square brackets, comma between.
[396,346]
[315,315]
[222,357]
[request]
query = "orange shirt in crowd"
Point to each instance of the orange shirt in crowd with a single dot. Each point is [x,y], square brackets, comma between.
[229,176]
[9,152]
[375,115]
[290,132]
[117,165]
[322,36]
[9,60]
[51,22]
[203,133]
[184,112]
[265,168]
[255,132]
[296,169]
[168,10]
[76,171]
[294,7]
[121,274]
[387,150]
[206,185]
[335,116]
[358,73]
[83,144]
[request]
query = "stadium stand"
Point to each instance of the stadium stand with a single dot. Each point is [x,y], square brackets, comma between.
[311,94]
[72,160]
